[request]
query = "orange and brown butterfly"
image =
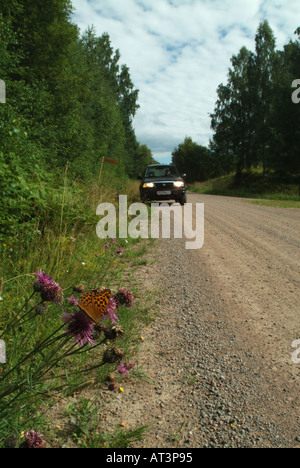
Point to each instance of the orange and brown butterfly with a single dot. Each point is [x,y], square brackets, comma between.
[94,303]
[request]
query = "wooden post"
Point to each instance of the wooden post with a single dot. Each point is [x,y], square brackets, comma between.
[100,173]
[107,161]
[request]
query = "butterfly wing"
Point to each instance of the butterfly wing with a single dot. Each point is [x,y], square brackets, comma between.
[86,304]
[94,303]
[101,301]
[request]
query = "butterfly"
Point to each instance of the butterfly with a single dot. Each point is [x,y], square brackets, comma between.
[94,303]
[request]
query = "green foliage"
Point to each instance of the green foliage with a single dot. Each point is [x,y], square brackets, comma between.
[255,122]
[69,103]
[144,158]
[86,418]
[285,115]
[193,160]
[44,358]
[251,184]
[19,174]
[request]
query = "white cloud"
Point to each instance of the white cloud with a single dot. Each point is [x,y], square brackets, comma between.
[178,52]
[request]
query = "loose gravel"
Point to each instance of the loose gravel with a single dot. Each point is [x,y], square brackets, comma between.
[216,378]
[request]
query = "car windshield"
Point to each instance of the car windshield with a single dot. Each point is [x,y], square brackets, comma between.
[161,172]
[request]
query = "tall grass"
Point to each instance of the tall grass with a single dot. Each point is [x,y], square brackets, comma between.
[249,185]
[43,358]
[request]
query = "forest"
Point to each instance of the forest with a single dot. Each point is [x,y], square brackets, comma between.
[69,102]
[256,120]
[67,105]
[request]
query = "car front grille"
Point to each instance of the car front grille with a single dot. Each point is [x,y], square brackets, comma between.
[164,185]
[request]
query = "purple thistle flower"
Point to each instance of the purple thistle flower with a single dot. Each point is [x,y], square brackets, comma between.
[111,310]
[49,289]
[124,369]
[34,439]
[73,300]
[80,327]
[124,297]
[119,252]
[107,246]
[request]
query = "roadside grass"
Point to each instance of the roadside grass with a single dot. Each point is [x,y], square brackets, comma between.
[44,365]
[263,190]
[277,203]
[86,430]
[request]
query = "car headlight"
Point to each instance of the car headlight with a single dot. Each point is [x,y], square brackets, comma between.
[178,184]
[149,185]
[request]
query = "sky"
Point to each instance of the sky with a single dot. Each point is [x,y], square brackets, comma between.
[178,53]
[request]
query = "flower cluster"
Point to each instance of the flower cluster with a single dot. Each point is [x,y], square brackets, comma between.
[111,310]
[108,246]
[34,440]
[113,332]
[80,327]
[50,290]
[124,297]
[73,301]
[112,355]
[119,251]
[124,369]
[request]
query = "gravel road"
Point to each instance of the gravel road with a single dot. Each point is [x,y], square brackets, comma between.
[219,354]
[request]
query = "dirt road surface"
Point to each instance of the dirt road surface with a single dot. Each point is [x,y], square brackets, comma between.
[219,354]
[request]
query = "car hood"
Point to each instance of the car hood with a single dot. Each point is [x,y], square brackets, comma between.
[161,179]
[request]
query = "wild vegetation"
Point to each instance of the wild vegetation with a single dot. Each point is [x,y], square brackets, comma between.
[69,103]
[255,123]
[255,186]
